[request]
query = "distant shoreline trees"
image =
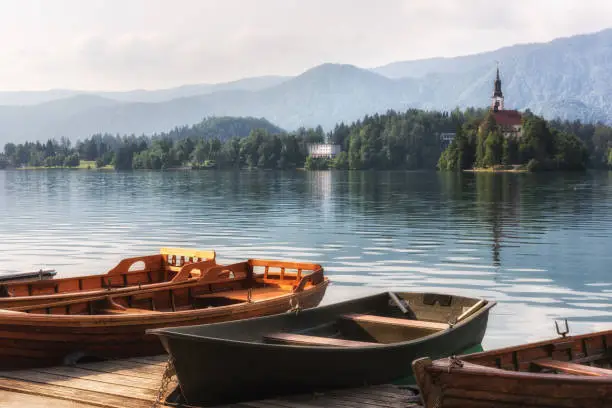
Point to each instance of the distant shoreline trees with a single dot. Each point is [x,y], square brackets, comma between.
[541,147]
[392,141]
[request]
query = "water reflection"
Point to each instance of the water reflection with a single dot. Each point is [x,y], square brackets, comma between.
[538,244]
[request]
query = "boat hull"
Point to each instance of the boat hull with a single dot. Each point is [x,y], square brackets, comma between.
[35,340]
[503,378]
[214,370]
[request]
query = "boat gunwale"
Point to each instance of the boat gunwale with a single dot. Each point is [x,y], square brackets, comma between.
[437,366]
[82,295]
[541,343]
[169,332]
[23,318]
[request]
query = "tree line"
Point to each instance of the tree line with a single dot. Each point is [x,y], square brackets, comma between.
[259,149]
[554,145]
[394,140]
[391,141]
[53,153]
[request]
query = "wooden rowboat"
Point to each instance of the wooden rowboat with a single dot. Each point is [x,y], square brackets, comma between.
[113,326]
[171,266]
[566,372]
[370,340]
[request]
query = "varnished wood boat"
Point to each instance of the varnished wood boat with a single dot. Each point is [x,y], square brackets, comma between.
[171,266]
[113,326]
[370,340]
[568,372]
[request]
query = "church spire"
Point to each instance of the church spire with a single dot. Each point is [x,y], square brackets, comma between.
[497,92]
[498,97]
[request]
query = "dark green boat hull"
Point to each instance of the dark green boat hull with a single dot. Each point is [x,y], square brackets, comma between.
[227,362]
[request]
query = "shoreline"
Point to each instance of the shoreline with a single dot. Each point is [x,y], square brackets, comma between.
[83,165]
[494,171]
[513,169]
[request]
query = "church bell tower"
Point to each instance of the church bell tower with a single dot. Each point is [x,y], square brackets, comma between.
[498,97]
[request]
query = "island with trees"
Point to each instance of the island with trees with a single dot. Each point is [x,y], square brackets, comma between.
[542,146]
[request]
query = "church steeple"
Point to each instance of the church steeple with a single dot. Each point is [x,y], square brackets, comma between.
[498,97]
[498,91]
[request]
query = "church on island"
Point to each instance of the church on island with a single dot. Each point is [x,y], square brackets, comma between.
[509,121]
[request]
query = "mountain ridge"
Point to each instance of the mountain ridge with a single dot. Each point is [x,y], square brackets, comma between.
[570,78]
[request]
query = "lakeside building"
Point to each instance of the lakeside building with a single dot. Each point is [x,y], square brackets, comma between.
[325,150]
[446,138]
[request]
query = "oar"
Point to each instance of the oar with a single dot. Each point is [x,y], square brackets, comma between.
[402,306]
[398,303]
[471,310]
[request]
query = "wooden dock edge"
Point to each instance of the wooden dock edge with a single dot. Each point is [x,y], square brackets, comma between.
[135,383]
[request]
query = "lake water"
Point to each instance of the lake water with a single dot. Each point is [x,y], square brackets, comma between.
[540,245]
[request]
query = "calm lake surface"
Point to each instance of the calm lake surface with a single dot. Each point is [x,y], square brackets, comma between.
[540,245]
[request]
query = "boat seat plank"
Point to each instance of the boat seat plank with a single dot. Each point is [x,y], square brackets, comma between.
[242,294]
[572,368]
[128,310]
[301,339]
[417,324]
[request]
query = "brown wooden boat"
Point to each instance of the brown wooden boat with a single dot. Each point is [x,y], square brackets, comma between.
[113,326]
[566,372]
[171,266]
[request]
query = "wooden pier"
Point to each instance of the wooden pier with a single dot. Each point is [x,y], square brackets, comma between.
[136,382]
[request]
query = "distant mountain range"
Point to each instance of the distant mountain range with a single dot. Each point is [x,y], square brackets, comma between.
[569,78]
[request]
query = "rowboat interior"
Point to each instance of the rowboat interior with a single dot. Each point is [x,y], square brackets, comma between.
[220,285]
[386,318]
[587,355]
[171,264]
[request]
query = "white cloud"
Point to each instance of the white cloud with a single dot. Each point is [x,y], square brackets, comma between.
[125,44]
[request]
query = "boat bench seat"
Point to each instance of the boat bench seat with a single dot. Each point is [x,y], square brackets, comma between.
[301,339]
[392,321]
[129,310]
[573,368]
[242,294]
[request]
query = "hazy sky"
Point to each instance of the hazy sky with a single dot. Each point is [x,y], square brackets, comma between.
[127,44]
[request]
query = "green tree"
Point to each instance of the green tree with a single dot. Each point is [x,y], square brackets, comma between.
[510,150]
[537,141]
[354,154]
[72,160]
[570,152]
[340,162]
[493,149]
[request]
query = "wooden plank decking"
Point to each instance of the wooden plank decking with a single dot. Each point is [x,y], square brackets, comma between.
[135,382]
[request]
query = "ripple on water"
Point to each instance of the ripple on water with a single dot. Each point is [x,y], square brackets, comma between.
[536,247]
